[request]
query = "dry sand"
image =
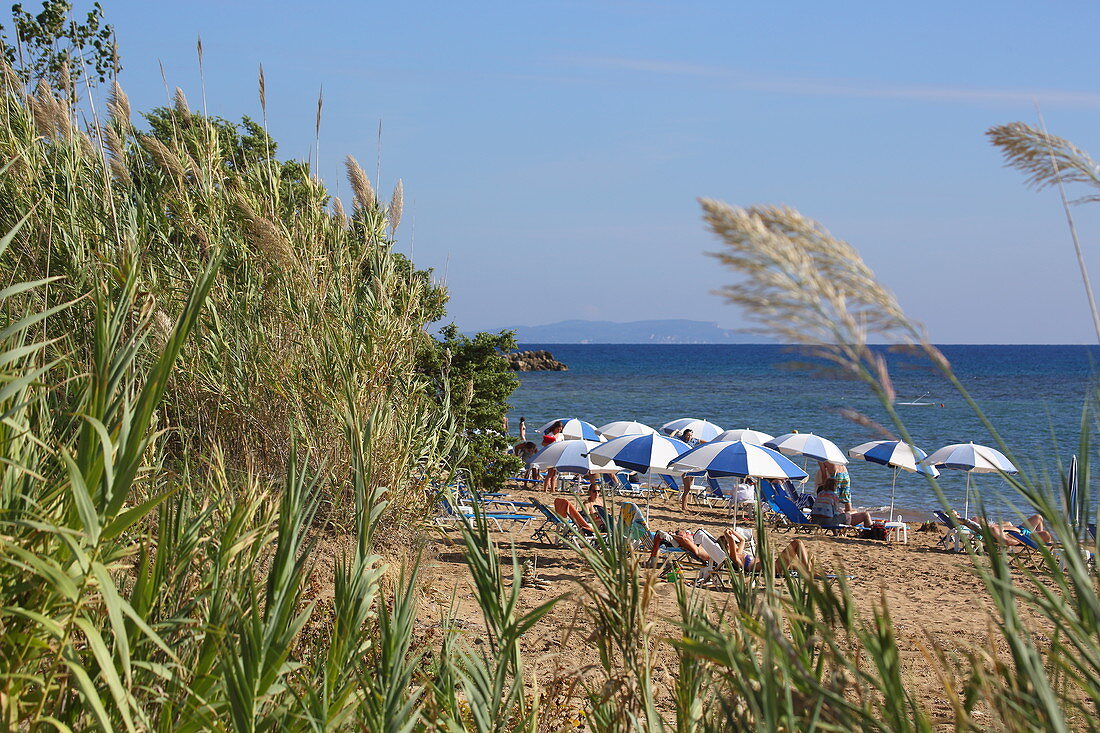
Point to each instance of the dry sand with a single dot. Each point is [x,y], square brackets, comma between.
[930,592]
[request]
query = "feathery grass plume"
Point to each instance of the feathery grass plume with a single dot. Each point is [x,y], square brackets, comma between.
[1043,158]
[263,91]
[48,118]
[863,420]
[65,81]
[808,287]
[360,184]
[397,204]
[1049,160]
[118,106]
[182,108]
[168,161]
[266,237]
[338,208]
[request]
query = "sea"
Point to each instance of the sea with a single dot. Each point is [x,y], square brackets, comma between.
[1034,396]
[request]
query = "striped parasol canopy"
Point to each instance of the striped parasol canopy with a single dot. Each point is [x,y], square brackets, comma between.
[972,458]
[641,453]
[809,445]
[897,455]
[619,428]
[700,429]
[738,458]
[570,456]
[746,436]
[575,429]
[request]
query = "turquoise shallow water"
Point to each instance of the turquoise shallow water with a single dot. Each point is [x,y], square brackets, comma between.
[1033,395]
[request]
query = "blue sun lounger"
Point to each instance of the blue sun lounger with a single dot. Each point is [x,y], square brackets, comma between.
[451,514]
[799,522]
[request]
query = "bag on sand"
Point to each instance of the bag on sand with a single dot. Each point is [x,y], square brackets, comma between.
[877,531]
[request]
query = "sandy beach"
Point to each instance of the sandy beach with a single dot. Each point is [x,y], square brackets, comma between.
[930,592]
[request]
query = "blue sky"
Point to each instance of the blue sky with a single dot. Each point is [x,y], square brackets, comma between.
[552,152]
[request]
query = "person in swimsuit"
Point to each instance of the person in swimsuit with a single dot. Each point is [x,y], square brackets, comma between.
[553,435]
[794,557]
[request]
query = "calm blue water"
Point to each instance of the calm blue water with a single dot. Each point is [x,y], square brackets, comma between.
[1032,394]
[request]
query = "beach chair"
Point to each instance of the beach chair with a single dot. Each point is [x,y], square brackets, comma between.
[801,500]
[719,560]
[1029,553]
[799,522]
[958,533]
[451,513]
[554,530]
[625,488]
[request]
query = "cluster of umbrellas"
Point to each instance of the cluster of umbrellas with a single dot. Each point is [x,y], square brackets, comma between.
[742,453]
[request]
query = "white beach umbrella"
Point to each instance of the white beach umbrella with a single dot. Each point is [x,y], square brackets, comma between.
[574,429]
[809,445]
[571,456]
[701,429]
[619,428]
[737,458]
[746,436]
[972,458]
[641,453]
[897,455]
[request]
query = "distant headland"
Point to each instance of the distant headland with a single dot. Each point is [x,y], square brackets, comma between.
[669,331]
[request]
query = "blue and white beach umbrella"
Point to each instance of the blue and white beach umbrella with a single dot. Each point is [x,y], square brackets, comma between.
[972,458]
[700,429]
[897,455]
[575,429]
[744,434]
[619,428]
[641,453]
[570,456]
[809,445]
[737,458]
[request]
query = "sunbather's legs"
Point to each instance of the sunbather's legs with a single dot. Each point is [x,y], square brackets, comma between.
[1035,523]
[796,557]
[863,518]
[548,482]
[688,481]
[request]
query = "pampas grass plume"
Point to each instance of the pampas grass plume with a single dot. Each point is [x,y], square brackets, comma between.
[360,184]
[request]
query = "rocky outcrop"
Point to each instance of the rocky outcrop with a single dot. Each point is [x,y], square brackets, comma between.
[534,361]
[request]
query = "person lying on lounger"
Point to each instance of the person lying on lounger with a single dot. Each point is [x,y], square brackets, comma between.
[794,557]
[1033,526]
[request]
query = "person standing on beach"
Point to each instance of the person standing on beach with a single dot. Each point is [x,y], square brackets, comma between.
[688,437]
[523,430]
[553,435]
[843,488]
[839,474]
[526,450]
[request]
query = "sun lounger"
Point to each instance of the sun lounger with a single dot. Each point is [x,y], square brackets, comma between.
[554,529]
[959,533]
[458,513]
[718,559]
[799,522]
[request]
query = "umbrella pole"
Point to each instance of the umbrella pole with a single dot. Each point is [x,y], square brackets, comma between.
[893,484]
[966,511]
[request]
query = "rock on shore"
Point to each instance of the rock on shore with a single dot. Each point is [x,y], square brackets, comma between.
[534,361]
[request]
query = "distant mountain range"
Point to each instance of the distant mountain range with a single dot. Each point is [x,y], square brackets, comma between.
[669,331]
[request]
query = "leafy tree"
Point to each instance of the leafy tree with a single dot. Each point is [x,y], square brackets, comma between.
[480,385]
[53,40]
